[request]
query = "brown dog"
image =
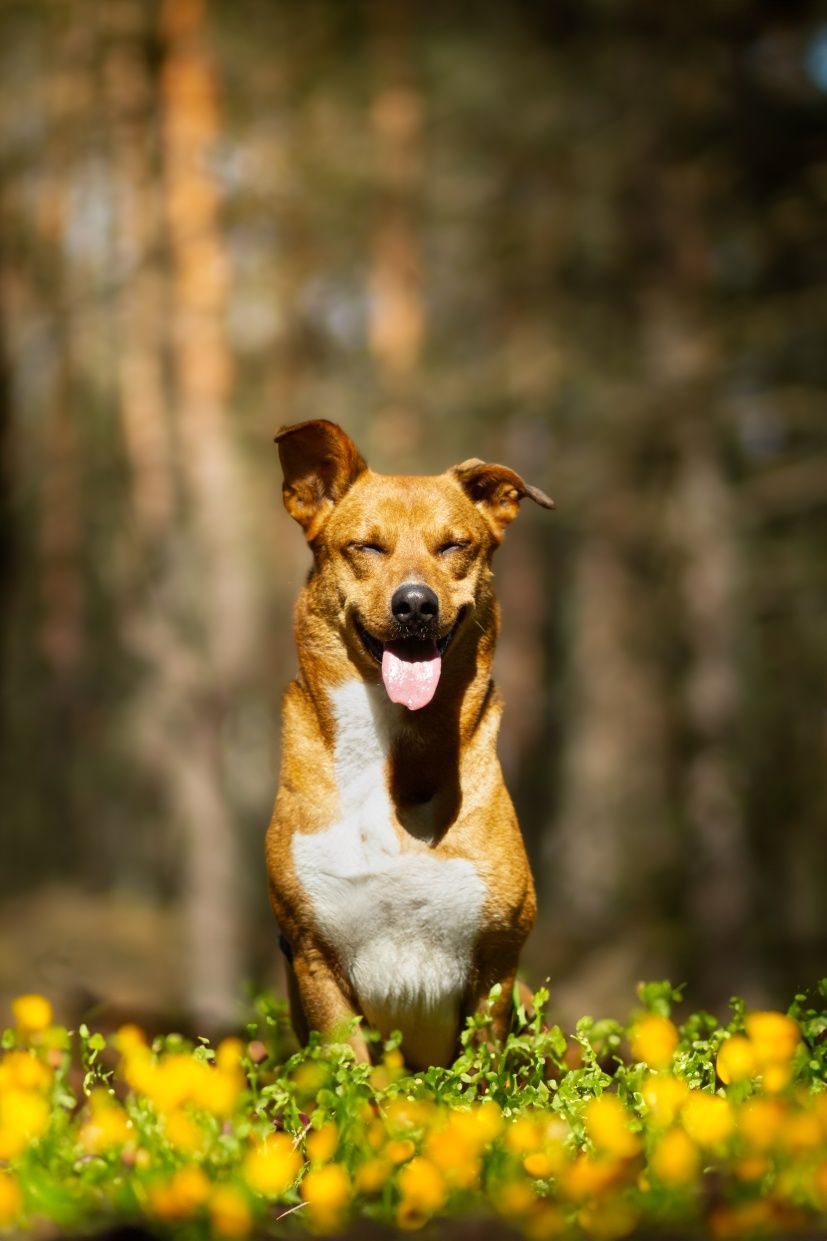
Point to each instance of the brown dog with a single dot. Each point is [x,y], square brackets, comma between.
[397,870]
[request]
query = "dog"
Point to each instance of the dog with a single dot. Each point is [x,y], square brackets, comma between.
[396,867]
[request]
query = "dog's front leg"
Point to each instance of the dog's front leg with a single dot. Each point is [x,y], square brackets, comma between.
[318,1003]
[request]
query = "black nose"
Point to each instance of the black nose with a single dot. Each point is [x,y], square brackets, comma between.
[415,604]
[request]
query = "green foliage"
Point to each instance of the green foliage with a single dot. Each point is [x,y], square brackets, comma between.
[648,1124]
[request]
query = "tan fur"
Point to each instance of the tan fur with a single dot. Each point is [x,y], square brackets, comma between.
[443,776]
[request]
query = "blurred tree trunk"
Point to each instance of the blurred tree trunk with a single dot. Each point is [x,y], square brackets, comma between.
[61,617]
[397,315]
[8,531]
[720,873]
[524,658]
[61,625]
[130,93]
[612,791]
[702,530]
[148,593]
[214,572]
[61,622]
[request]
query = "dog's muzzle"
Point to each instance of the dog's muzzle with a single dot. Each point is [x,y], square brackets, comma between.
[411,661]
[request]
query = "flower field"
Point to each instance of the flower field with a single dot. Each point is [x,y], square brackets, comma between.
[660,1127]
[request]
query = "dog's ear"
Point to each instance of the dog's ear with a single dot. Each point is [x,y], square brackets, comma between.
[320,464]
[497,492]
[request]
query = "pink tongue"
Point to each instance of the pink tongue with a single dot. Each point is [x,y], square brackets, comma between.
[410,681]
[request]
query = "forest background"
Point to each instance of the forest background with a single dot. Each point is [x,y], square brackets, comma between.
[585,239]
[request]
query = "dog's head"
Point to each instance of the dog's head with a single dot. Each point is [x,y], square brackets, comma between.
[404,561]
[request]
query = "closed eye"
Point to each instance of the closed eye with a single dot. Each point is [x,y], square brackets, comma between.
[452,545]
[374,548]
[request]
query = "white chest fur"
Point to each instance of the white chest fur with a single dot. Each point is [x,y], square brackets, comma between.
[403,924]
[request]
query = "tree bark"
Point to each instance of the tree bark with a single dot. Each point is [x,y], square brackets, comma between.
[397,315]
[130,93]
[214,573]
[720,877]
[613,763]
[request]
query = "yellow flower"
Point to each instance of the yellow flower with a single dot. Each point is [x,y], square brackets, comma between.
[664,1096]
[736,1060]
[675,1159]
[32,1013]
[390,1070]
[464,1127]
[456,1142]
[272,1166]
[760,1121]
[139,1069]
[181,1195]
[108,1125]
[802,1132]
[775,1037]
[322,1143]
[752,1168]
[179,1078]
[183,1133]
[776,1076]
[168,1083]
[523,1135]
[218,1090]
[588,1176]
[228,1054]
[545,1163]
[372,1175]
[548,1221]
[707,1118]
[513,1199]
[400,1149]
[24,1070]
[107,1130]
[455,1148]
[477,1126]
[11,1199]
[607,1124]
[230,1213]
[407,1114]
[422,1185]
[326,1191]
[24,1116]
[129,1038]
[608,1218]
[654,1040]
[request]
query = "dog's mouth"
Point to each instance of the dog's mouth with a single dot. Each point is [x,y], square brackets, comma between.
[410,666]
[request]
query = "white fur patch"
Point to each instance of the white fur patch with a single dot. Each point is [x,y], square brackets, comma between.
[403,923]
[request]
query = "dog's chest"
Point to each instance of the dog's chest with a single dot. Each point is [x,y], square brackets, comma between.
[403,924]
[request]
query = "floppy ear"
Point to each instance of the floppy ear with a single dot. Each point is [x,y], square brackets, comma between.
[497,492]
[320,464]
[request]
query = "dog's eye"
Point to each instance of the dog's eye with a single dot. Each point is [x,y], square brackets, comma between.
[374,549]
[454,545]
